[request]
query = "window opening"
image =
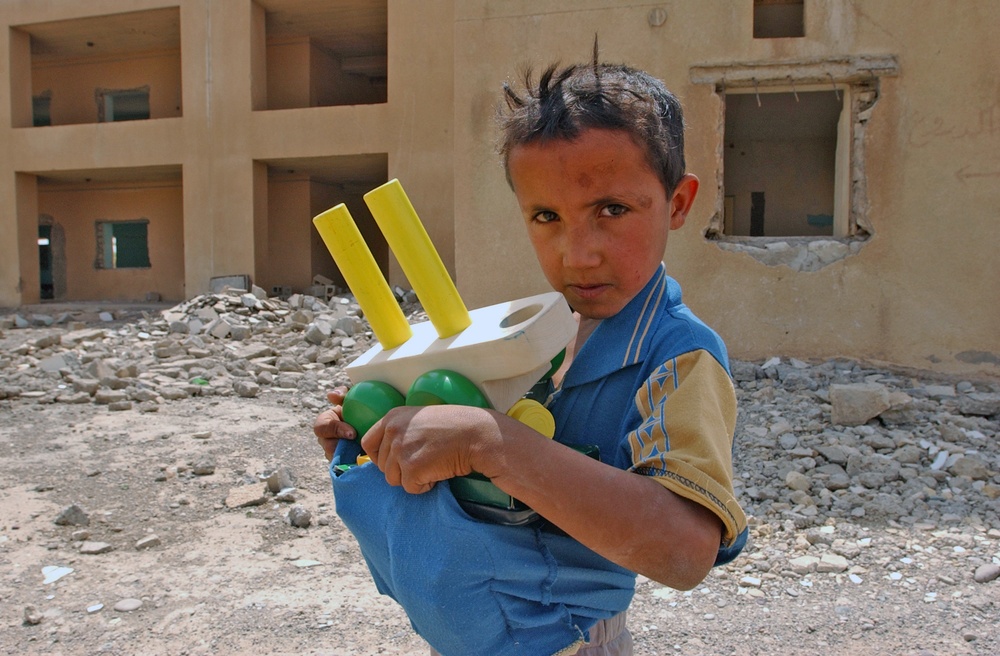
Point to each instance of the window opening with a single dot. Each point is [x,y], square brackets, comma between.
[776,19]
[115,105]
[41,109]
[122,244]
[780,163]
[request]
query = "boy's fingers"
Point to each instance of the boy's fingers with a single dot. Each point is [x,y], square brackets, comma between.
[329,425]
[336,395]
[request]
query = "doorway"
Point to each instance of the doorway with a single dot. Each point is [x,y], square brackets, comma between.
[48,291]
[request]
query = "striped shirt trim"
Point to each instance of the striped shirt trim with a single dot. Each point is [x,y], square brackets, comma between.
[646,318]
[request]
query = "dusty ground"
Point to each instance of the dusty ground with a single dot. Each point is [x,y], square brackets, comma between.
[243,581]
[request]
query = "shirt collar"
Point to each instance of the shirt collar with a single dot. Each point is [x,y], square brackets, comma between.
[624,339]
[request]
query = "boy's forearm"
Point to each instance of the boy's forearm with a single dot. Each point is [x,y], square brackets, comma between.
[630,519]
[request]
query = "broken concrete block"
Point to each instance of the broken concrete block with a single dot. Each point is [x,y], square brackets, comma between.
[855,404]
[246,496]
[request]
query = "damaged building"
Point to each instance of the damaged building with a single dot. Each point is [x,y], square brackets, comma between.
[846,150]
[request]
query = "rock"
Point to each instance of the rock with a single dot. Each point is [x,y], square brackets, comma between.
[204,467]
[31,616]
[72,515]
[798,481]
[246,389]
[246,496]
[855,404]
[147,542]
[804,564]
[832,563]
[299,517]
[95,548]
[128,605]
[979,404]
[986,573]
[971,467]
[280,479]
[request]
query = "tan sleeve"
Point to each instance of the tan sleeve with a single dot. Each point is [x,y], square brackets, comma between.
[686,439]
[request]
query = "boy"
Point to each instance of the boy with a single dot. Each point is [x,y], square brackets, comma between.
[594,155]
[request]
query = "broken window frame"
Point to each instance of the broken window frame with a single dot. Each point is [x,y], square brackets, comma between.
[843,225]
[857,79]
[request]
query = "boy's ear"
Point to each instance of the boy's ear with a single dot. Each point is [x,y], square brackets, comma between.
[682,200]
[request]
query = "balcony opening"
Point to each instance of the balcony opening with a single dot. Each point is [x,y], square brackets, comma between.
[321,53]
[296,191]
[112,53]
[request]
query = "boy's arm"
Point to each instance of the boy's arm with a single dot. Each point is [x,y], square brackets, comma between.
[628,518]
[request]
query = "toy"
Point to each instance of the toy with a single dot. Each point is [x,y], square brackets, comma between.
[489,357]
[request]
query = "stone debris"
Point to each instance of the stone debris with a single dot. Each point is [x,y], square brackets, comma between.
[299,517]
[128,605]
[986,573]
[95,548]
[147,542]
[246,496]
[72,515]
[31,616]
[227,343]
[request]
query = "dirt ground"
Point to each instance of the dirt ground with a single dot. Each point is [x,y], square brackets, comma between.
[224,580]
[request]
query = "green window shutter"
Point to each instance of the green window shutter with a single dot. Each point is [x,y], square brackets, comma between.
[132,245]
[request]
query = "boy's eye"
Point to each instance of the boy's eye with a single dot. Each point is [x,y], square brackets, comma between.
[545,216]
[613,210]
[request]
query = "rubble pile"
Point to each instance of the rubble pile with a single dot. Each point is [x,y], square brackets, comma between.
[229,343]
[816,441]
[839,440]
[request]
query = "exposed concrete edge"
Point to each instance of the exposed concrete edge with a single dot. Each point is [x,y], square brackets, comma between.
[847,68]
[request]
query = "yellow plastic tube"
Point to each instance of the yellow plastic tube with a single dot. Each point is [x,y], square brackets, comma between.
[361,272]
[418,258]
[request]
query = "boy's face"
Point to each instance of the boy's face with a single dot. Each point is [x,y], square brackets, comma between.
[597,215]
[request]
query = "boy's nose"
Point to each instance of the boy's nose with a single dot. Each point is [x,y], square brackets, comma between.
[581,249]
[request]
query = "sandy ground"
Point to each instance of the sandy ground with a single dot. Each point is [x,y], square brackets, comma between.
[225,580]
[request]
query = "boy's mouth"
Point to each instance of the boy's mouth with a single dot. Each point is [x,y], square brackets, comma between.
[588,291]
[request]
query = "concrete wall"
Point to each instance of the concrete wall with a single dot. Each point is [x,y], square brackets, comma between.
[72,84]
[919,293]
[77,209]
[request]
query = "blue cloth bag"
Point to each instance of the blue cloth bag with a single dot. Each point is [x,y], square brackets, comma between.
[471,587]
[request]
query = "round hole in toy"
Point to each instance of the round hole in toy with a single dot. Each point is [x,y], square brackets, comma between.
[520,315]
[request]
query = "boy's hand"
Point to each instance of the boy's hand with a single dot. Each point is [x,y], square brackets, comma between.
[418,446]
[330,425]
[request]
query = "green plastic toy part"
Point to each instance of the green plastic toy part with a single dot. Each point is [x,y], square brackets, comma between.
[444,387]
[369,401]
[556,363]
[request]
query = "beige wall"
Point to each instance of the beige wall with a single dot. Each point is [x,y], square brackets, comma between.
[72,84]
[921,292]
[77,209]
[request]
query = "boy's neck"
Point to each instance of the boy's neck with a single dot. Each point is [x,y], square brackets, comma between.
[584,328]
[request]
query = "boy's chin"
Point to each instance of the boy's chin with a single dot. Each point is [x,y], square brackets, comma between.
[595,311]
